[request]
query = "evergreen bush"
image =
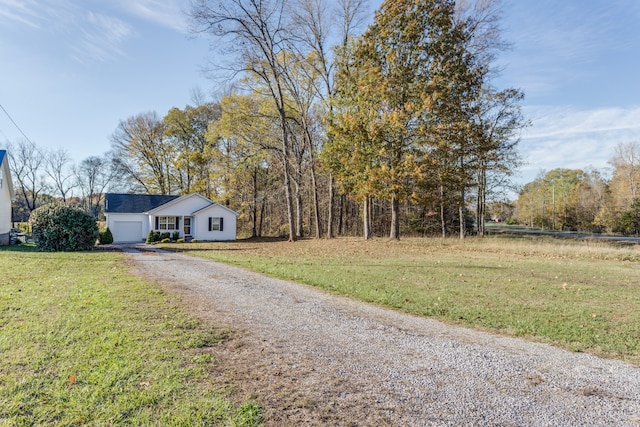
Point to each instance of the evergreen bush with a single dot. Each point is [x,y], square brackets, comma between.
[62,228]
[106,238]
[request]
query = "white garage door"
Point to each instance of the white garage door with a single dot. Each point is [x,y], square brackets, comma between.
[127,231]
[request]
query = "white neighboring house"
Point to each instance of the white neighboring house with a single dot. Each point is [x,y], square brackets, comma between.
[6,196]
[130,217]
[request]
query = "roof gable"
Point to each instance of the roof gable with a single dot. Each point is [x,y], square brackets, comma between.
[179,200]
[134,203]
[214,205]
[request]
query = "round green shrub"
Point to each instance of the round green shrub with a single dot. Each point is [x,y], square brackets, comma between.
[106,238]
[165,240]
[62,228]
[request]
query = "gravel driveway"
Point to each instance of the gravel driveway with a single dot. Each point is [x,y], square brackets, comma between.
[313,358]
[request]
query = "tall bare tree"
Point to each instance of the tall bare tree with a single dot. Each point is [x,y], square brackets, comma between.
[626,174]
[495,115]
[26,162]
[59,167]
[260,35]
[93,176]
[187,131]
[144,153]
[314,25]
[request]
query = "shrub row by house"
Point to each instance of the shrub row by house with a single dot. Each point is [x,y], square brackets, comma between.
[165,237]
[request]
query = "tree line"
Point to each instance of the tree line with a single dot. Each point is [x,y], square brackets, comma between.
[586,200]
[329,128]
[401,125]
[42,176]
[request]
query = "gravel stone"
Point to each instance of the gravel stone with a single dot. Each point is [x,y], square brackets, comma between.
[314,358]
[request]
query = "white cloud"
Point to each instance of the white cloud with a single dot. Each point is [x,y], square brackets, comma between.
[568,121]
[16,16]
[77,28]
[564,137]
[102,38]
[167,13]
[33,13]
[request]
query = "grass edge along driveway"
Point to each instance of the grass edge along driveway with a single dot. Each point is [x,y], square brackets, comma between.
[85,342]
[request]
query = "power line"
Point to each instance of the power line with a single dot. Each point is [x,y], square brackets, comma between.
[16,125]
[4,136]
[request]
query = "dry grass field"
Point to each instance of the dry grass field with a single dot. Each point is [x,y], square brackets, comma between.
[583,295]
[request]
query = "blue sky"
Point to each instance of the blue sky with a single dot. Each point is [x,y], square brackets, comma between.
[71,69]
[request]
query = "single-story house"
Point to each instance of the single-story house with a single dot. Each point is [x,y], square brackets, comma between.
[130,217]
[6,196]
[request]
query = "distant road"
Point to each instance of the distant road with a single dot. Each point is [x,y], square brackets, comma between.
[564,234]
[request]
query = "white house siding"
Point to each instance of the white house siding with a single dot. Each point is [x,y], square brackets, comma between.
[128,228]
[5,206]
[201,225]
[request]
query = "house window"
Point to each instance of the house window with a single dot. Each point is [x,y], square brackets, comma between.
[167,223]
[216,223]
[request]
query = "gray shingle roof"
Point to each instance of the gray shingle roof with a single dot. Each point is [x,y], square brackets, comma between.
[134,203]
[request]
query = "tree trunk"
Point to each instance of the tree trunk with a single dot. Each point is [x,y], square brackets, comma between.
[395,219]
[366,229]
[463,223]
[299,213]
[443,222]
[330,215]
[316,201]
[287,171]
[341,216]
[288,195]
[461,213]
[254,228]
[263,207]
[481,201]
[314,185]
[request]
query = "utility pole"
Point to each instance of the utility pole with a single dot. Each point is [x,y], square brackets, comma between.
[553,206]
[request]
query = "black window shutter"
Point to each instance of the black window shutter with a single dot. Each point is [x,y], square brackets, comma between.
[209,223]
[221,221]
[157,223]
[177,223]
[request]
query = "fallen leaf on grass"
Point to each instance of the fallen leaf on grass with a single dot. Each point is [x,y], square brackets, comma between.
[72,379]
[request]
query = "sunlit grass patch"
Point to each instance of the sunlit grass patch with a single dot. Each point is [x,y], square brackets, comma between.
[85,342]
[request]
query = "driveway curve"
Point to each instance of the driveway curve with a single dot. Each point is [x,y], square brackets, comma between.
[314,358]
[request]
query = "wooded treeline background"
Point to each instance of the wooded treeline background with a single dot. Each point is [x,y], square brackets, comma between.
[327,130]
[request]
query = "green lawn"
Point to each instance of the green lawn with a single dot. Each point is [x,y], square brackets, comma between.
[85,342]
[580,295]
